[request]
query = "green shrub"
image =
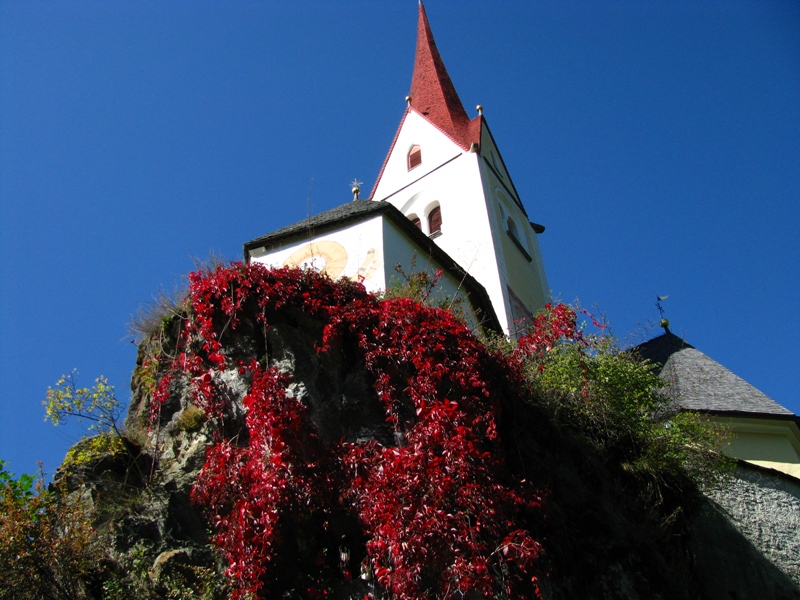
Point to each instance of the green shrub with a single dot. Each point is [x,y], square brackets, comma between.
[615,401]
[47,543]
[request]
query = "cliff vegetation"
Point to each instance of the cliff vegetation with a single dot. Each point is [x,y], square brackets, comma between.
[294,437]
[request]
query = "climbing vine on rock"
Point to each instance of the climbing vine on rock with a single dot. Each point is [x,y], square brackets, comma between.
[439,513]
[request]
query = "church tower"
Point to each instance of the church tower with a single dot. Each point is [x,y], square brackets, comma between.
[445,173]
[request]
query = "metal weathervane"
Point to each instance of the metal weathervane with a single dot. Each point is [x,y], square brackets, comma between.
[664,321]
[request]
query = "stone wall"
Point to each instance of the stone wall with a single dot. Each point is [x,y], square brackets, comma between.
[747,541]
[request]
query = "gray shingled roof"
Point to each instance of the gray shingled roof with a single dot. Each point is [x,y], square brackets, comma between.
[697,382]
[351,211]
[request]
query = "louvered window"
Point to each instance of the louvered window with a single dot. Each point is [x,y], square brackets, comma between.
[414,157]
[435,220]
[417,222]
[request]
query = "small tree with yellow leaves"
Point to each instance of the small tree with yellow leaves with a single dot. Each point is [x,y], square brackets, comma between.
[98,404]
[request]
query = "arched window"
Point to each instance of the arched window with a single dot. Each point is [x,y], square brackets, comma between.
[512,229]
[435,220]
[414,157]
[518,240]
[416,221]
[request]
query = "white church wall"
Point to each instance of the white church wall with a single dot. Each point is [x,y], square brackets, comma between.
[526,278]
[399,249]
[466,228]
[354,251]
[368,251]
[491,155]
[453,181]
[436,148]
[522,270]
[479,206]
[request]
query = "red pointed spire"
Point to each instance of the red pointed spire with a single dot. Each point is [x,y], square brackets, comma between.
[432,92]
[434,97]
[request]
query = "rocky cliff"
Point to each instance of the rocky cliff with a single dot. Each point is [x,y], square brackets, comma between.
[294,437]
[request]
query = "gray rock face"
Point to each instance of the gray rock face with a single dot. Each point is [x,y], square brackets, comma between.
[747,541]
[156,537]
[746,544]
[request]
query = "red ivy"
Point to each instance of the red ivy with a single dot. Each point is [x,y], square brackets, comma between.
[554,328]
[440,513]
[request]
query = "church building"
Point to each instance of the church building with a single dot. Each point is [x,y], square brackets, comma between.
[445,202]
[444,199]
[763,433]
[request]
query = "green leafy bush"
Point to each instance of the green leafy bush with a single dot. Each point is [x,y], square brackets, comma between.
[615,401]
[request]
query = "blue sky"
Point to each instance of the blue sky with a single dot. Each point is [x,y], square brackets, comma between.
[658,142]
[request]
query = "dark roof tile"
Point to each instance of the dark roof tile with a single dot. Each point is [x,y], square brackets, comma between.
[697,382]
[335,216]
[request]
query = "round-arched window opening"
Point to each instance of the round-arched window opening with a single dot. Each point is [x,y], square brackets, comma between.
[414,157]
[519,241]
[502,212]
[416,221]
[512,229]
[435,220]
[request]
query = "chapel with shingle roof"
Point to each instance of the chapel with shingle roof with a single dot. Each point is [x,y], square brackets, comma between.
[764,433]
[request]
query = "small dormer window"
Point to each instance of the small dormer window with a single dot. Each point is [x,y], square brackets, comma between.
[414,157]
[435,221]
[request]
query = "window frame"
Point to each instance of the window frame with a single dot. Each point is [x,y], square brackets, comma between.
[414,157]
[435,214]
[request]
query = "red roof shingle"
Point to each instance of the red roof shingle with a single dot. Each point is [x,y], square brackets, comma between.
[432,92]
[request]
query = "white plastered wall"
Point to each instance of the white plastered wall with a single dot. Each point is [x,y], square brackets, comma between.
[436,148]
[399,249]
[524,274]
[473,232]
[367,251]
[774,444]
[526,278]
[450,178]
[355,252]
